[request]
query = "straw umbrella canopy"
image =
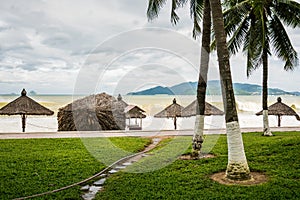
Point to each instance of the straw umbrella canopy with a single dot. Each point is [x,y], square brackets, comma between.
[279,109]
[132,111]
[92,113]
[191,109]
[172,111]
[24,106]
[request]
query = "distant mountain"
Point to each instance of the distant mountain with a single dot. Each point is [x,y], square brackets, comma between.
[213,88]
[154,91]
[296,93]
[187,88]
[32,93]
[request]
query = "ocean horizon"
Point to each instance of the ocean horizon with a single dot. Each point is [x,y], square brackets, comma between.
[247,106]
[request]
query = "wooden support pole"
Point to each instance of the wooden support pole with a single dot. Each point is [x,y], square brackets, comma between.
[23,122]
[175,124]
[279,120]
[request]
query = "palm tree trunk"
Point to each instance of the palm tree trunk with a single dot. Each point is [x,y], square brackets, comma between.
[237,168]
[202,81]
[267,131]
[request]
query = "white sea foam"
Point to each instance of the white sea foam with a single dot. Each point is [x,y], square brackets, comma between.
[247,107]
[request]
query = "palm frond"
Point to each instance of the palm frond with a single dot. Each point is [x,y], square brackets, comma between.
[238,36]
[234,14]
[176,4]
[282,44]
[174,16]
[154,7]
[213,45]
[289,12]
[253,45]
[196,13]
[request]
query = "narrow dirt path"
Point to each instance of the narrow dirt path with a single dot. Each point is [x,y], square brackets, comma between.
[90,191]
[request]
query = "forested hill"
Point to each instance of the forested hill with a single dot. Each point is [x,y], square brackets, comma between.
[190,88]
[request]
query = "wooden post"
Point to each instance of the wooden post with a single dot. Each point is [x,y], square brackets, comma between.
[175,124]
[23,122]
[141,121]
[279,120]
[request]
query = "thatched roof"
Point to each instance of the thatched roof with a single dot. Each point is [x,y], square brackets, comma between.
[171,111]
[280,108]
[24,105]
[190,110]
[94,112]
[132,111]
[121,102]
[101,101]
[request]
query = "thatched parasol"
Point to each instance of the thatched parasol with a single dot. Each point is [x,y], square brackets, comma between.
[24,106]
[92,113]
[172,111]
[190,110]
[132,111]
[279,109]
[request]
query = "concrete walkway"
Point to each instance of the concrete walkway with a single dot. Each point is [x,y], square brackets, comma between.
[91,134]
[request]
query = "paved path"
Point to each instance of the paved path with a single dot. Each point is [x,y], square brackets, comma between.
[91,134]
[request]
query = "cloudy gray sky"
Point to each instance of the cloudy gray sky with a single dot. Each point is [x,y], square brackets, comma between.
[87,46]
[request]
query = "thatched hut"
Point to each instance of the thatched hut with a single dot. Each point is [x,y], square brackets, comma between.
[279,109]
[120,102]
[191,109]
[172,111]
[92,113]
[24,106]
[132,111]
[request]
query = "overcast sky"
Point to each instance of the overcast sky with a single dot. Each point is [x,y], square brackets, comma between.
[58,47]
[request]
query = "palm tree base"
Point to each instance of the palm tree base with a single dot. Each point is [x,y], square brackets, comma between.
[256,179]
[267,131]
[237,168]
[198,135]
[238,171]
[196,156]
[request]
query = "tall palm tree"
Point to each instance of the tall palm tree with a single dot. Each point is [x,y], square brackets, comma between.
[198,9]
[237,167]
[258,25]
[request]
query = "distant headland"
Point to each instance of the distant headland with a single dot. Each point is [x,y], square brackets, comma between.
[213,88]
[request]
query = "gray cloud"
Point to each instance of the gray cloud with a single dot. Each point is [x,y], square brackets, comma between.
[45,43]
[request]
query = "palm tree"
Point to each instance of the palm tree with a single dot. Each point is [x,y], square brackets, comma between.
[202,81]
[258,25]
[237,167]
[198,9]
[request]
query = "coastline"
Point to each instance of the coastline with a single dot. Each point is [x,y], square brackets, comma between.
[247,107]
[156,133]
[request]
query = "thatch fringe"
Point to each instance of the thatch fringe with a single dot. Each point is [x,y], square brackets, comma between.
[92,113]
[191,109]
[24,105]
[173,110]
[280,108]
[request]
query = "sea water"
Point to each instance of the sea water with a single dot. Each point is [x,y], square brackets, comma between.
[247,106]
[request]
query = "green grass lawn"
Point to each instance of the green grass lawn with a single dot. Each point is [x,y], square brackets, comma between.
[34,166]
[278,157]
